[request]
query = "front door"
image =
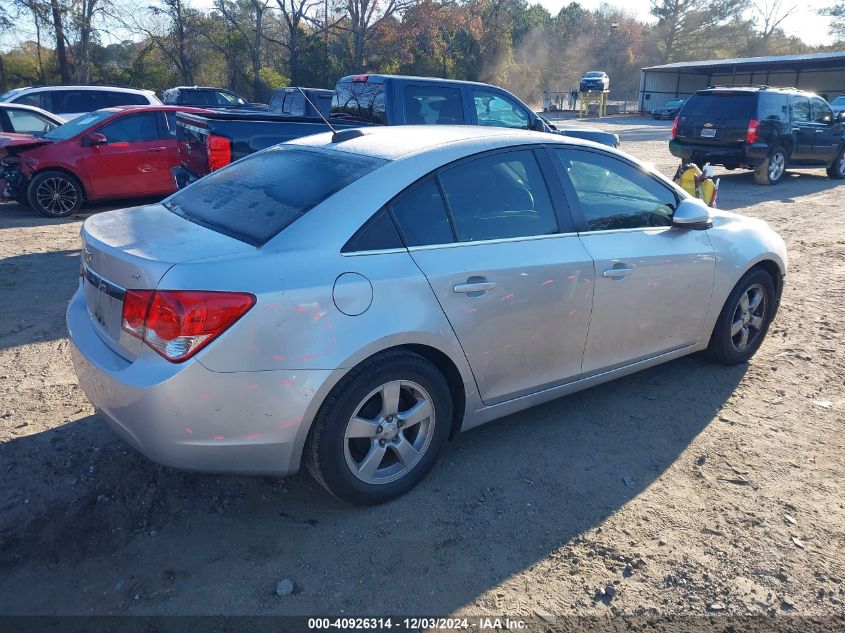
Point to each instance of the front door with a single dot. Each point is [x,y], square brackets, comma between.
[134,161]
[512,278]
[653,280]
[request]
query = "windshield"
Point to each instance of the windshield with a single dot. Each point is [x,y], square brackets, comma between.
[254,199]
[593,74]
[674,102]
[77,126]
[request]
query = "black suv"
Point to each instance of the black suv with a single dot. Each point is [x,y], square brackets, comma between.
[760,128]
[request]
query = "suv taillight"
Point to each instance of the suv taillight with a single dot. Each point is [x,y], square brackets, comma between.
[219,150]
[675,127]
[751,132]
[179,323]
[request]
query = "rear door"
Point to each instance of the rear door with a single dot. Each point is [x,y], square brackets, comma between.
[717,118]
[827,135]
[653,280]
[134,160]
[498,249]
[803,129]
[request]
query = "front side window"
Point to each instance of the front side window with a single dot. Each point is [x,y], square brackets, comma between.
[228,99]
[499,196]
[24,122]
[614,194]
[821,111]
[421,215]
[72,101]
[801,109]
[133,128]
[497,111]
[254,199]
[433,105]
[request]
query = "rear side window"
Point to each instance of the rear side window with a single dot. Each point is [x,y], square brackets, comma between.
[729,105]
[277,100]
[254,199]
[422,216]
[773,107]
[72,101]
[378,233]
[359,101]
[499,196]
[197,98]
[433,105]
[801,109]
[113,98]
[41,100]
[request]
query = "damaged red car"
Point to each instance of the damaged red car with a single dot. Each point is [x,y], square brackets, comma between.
[120,152]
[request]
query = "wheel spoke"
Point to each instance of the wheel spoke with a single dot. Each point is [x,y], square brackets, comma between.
[361,427]
[743,302]
[390,398]
[416,414]
[736,326]
[372,461]
[755,301]
[743,338]
[405,451]
[756,322]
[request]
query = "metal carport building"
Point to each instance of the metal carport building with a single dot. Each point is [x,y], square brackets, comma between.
[822,73]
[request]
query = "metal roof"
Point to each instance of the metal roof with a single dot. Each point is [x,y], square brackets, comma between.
[771,60]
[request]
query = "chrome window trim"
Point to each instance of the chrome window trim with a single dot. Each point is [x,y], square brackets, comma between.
[630,230]
[384,251]
[501,240]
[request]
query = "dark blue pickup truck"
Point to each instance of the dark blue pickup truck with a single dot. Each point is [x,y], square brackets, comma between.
[212,140]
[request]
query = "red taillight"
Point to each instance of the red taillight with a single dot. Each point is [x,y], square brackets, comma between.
[751,133]
[360,78]
[179,323]
[135,305]
[675,127]
[219,150]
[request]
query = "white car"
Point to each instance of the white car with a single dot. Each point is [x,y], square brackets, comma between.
[350,301]
[70,102]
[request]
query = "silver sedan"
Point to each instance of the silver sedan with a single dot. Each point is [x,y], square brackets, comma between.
[352,301]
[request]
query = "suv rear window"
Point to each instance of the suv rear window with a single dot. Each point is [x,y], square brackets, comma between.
[725,105]
[254,199]
[359,101]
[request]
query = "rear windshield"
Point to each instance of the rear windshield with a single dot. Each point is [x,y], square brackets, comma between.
[254,199]
[726,105]
[359,101]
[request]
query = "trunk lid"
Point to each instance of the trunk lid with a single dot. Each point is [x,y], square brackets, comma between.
[716,118]
[132,249]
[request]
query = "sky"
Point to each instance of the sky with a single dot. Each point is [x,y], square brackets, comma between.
[804,22]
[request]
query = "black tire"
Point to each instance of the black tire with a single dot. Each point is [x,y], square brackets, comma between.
[772,170]
[837,169]
[67,194]
[327,448]
[723,345]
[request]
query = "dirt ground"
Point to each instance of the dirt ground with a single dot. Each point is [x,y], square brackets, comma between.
[689,488]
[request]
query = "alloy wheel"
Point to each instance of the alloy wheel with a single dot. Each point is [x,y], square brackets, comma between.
[389,432]
[56,196]
[749,317]
[777,164]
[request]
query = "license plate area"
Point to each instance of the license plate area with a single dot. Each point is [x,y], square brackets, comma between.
[105,303]
[708,133]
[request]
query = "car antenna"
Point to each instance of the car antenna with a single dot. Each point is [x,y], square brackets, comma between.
[317,110]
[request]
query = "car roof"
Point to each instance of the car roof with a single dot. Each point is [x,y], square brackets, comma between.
[23,106]
[755,90]
[392,143]
[102,88]
[154,108]
[380,78]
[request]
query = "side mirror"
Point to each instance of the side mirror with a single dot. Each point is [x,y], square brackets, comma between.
[839,117]
[93,139]
[539,125]
[692,213]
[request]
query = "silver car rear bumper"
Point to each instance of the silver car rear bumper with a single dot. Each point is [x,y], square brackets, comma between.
[187,416]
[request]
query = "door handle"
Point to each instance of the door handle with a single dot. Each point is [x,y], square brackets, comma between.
[472,287]
[617,272]
[819,131]
[156,149]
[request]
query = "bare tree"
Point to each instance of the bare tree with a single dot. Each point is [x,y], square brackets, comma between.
[773,13]
[57,12]
[297,15]
[365,16]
